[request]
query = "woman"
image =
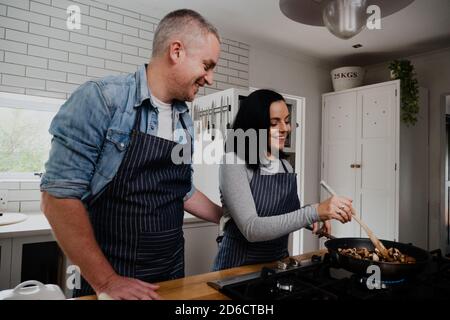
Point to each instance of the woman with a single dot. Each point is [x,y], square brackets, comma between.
[259,189]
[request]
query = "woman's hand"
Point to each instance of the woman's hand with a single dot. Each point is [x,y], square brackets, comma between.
[325,229]
[339,208]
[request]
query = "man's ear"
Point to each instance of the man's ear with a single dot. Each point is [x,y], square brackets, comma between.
[176,51]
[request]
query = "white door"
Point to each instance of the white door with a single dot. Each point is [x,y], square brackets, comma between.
[339,152]
[375,153]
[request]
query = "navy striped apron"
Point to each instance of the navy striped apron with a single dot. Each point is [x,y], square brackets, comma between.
[138,219]
[274,194]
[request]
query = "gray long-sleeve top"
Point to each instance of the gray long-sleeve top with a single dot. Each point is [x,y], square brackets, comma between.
[238,203]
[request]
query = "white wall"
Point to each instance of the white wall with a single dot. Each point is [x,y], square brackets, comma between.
[433,72]
[300,77]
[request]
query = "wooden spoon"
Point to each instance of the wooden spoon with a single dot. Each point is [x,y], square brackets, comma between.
[377,243]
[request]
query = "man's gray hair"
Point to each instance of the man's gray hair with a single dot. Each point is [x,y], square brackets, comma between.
[180,22]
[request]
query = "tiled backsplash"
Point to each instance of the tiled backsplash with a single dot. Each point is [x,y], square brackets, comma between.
[21,195]
[40,56]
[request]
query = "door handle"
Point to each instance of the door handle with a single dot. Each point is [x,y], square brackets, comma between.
[354,165]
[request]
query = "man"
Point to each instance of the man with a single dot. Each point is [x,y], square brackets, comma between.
[112,193]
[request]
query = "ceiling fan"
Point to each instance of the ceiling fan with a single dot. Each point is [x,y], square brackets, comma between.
[343,18]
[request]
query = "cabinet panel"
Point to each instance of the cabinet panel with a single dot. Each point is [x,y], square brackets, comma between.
[5,263]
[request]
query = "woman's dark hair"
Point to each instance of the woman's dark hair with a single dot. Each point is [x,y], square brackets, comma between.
[253,113]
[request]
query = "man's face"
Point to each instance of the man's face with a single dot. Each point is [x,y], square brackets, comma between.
[196,69]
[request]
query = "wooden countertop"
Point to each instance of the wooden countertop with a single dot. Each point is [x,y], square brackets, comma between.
[196,287]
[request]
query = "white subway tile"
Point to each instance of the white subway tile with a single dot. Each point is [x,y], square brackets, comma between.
[24,4]
[2,33]
[11,89]
[134,59]
[2,10]
[30,206]
[239,51]
[64,4]
[106,15]
[238,66]
[61,86]
[209,91]
[13,46]
[9,185]
[222,63]
[28,16]
[13,206]
[2,55]
[220,77]
[67,67]
[24,195]
[123,67]
[243,60]
[138,24]
[12,23]
[150,19]
[87,40]
[62,24]
[137,42]
[24,82]
[99,73]
[69,46]
[224,86]
[146,35]
[48,10]
[93,3]
[92,21]
[116,27]
[49,2]
[105,54]
[30,185]
[48,94]
[244,46]
[45,74]
[77,79]
[9,68]
[86,60]
[25,59]
[238,81]
[145,53]
[47,53]
[231,42]
[101,33]
[124,12]
[243,75]
[27,37]
[229,72]
[229,56]
[224,47]
[111,45]
[49,31]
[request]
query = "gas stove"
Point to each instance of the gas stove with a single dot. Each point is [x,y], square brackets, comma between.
[320,279]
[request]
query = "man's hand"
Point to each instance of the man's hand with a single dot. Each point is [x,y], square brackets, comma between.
[122,288]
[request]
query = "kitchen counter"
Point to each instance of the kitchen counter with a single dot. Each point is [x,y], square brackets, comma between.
[36,225]
[196,287]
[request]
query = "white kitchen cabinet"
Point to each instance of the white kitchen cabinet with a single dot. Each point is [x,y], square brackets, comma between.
[200,247]
[5,263]
[373,158]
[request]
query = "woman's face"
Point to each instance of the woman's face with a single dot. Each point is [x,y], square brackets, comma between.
[280,124]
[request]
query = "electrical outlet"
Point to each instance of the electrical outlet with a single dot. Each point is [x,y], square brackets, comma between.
[3,200]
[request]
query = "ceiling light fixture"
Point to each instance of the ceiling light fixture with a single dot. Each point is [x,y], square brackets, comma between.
[343,18]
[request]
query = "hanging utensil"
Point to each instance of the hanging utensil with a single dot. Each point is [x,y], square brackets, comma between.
[213,120]
[228,113]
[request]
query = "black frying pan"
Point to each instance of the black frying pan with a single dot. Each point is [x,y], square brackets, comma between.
[389,270]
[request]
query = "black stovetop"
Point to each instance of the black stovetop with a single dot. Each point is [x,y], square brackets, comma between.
[319,279]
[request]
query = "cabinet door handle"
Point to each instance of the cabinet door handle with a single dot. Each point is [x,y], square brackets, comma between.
[354,165]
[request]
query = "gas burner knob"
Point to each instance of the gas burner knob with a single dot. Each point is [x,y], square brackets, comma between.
[285,285]
[282,265]
[293,263]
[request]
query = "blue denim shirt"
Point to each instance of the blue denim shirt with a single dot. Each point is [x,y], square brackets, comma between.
[92,131]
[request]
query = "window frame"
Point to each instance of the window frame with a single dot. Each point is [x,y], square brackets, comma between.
[27,102]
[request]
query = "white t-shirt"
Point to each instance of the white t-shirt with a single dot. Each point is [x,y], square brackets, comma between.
[165,121]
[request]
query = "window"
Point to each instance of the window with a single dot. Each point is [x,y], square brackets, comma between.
[24,138]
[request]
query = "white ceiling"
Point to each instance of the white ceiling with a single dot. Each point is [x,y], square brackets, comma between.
[422,26]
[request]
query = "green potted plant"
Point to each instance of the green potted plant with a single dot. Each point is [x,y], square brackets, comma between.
[409,89]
